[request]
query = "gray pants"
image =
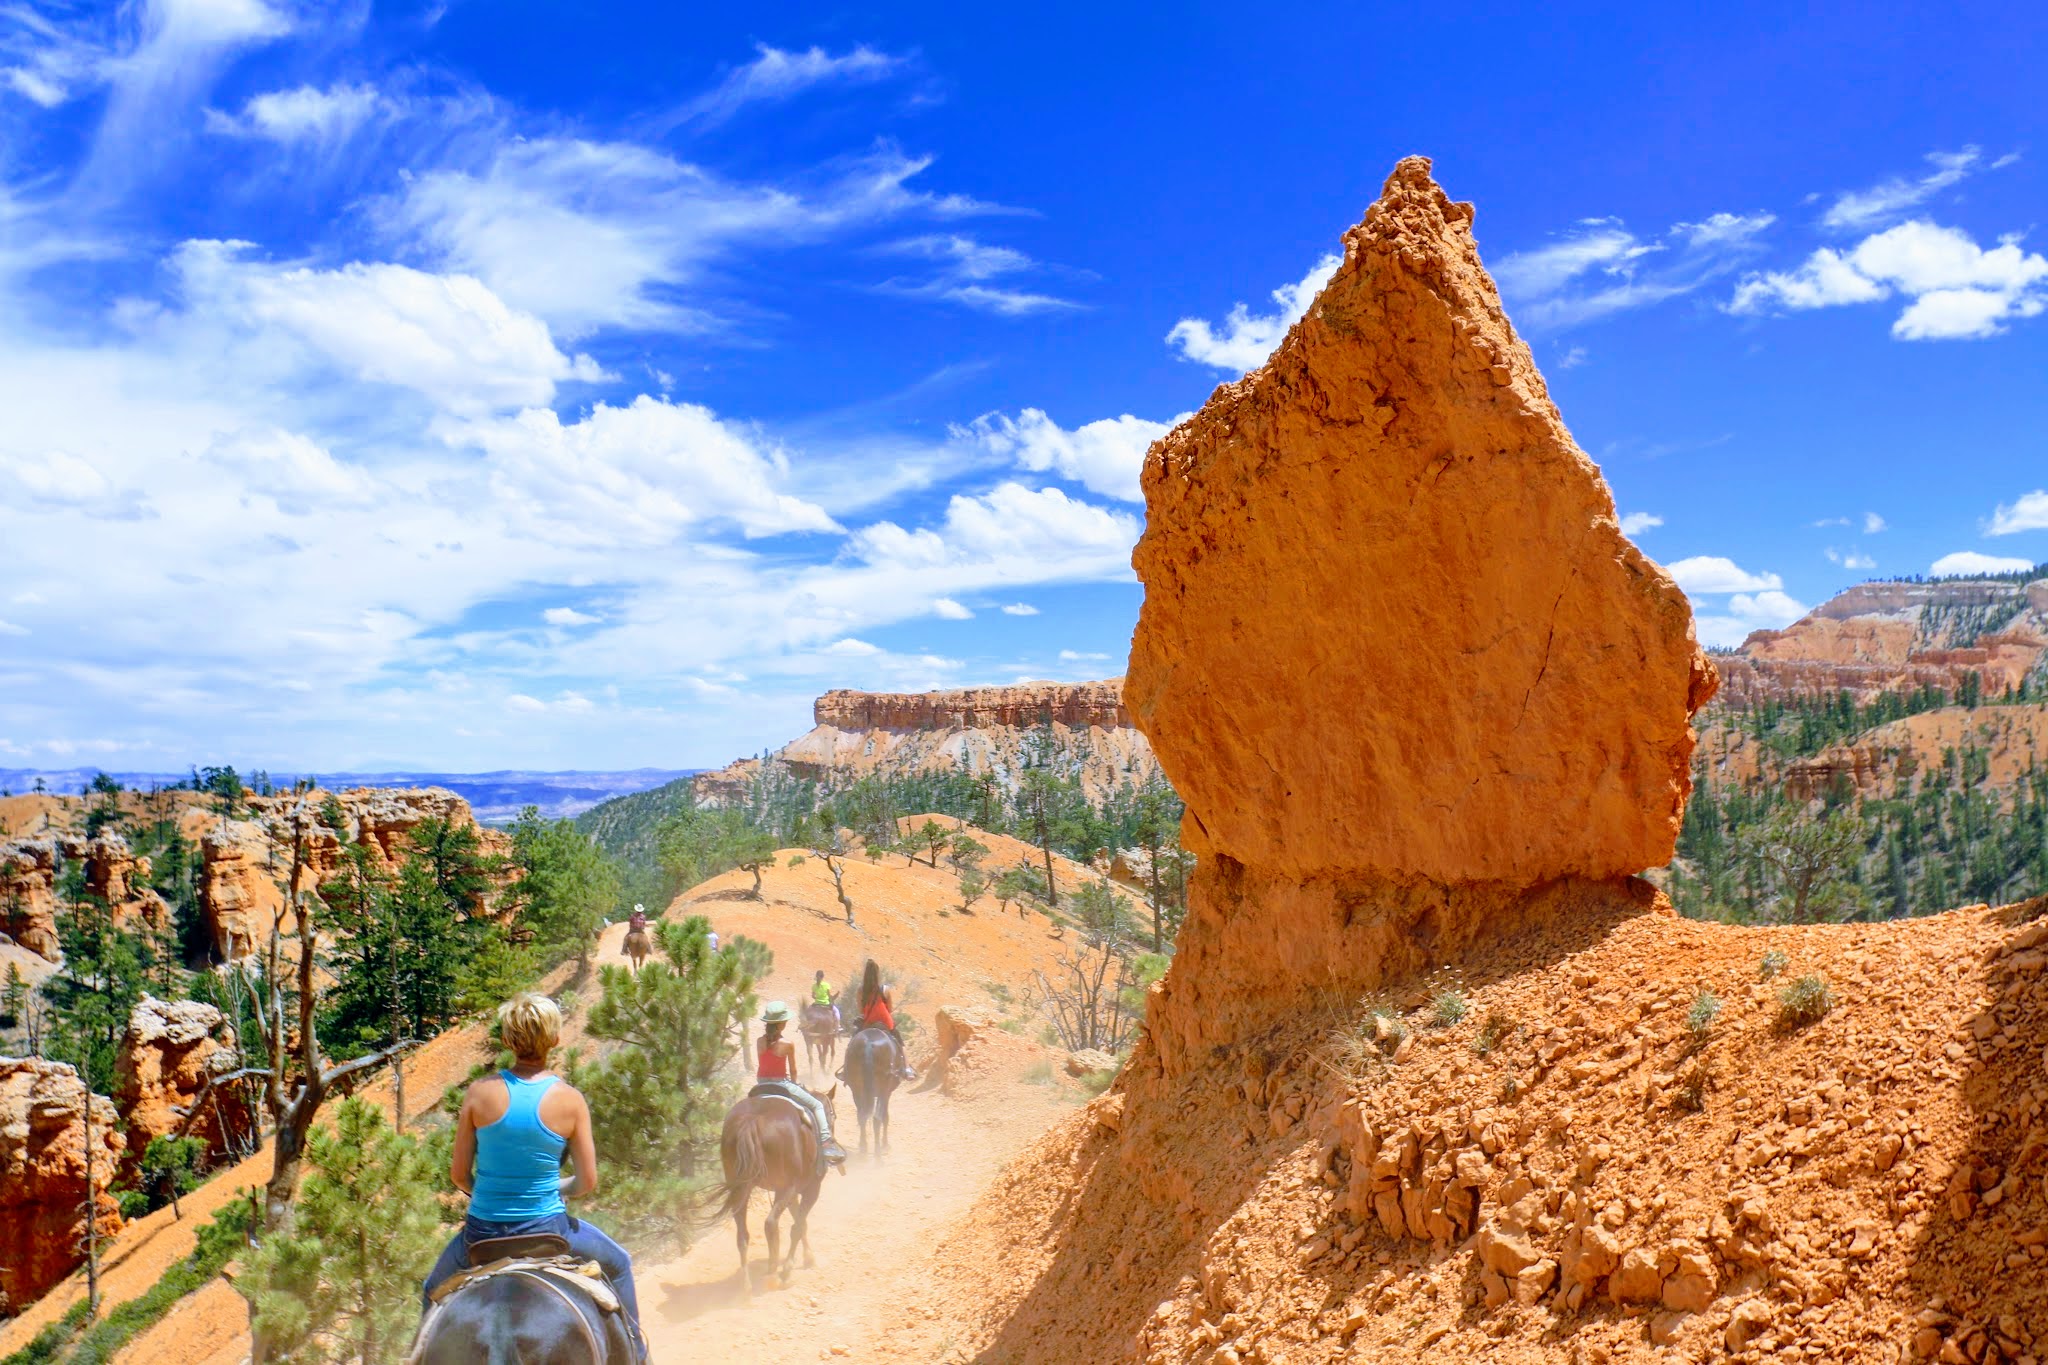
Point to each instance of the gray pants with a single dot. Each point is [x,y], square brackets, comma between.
[814,1106]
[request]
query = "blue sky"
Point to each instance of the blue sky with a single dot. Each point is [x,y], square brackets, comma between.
[481,385]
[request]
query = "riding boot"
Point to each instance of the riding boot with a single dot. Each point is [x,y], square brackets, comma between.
[830,1154]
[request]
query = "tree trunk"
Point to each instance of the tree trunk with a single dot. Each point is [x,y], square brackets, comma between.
[92,1211]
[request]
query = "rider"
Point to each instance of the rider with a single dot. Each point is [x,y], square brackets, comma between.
[878,1010]
[510,1137]
[775,1074]
[821,994]
[638,924]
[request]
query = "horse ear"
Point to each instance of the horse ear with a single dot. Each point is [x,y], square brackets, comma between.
[833,1093]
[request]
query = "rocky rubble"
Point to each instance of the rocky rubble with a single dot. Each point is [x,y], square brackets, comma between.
[43,1175]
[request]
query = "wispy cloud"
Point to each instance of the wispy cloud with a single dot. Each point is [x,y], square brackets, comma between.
[1245,339]
[968,274]
[303,114]
[1635,523]
[1020,609]
[1850,559]
[1714,574]
[1600,267]
[776,75]
[1859,210]
[1954,288]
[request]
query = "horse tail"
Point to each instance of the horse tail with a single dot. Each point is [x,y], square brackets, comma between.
[746,1168]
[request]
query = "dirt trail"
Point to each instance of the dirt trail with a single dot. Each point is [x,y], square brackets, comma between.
[871,1233]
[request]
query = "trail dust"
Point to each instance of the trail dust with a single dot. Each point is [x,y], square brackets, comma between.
[870,1227]
[872,1232]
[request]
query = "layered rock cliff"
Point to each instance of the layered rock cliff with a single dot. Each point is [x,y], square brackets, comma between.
[1897,637]
[29,868]
[43,1175]
[975,730]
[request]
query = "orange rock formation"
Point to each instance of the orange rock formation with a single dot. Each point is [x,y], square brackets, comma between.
[168,1051]
[29,869]
[43,1175]
[1392,511]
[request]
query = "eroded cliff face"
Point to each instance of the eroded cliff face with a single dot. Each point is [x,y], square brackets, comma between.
[1391,511]
[29,868]
[974,730]
[43,1175]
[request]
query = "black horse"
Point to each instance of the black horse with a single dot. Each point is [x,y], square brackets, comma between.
[874,1067]
[523,1318]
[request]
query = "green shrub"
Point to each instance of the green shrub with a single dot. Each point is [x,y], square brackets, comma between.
[1448,1009]
[1773,963]
[1699,1020]
[1805,1001]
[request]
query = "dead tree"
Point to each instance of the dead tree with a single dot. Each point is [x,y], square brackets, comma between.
[1091,996]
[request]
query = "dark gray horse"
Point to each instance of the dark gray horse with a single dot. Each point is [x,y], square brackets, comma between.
[522,1318]
[874,1067]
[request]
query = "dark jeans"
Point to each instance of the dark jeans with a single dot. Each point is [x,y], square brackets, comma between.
[585,1240]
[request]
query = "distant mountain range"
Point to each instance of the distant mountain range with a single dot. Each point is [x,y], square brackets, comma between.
[497,797]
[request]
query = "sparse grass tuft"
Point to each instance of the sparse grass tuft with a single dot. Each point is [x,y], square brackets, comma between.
[1448,1009]
[1699,1020]
[1693,1085]
[1095,1082]
[1493,1032]
[1805,1001]
[1039,1072]
[1773,963]
[1361,1044]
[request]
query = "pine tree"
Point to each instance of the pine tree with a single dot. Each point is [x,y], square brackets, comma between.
[564,888]
[341,1283]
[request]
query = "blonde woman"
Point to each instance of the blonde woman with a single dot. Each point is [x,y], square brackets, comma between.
[510,1137]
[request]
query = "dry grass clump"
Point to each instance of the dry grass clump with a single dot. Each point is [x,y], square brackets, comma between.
[1699,1020]
[1805,1001]
[1693,1084]
[1773,962]
[1364,1041]
[1448,1009]
[1493,1032]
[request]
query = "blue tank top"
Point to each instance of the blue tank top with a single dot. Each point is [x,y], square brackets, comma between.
[518,1159]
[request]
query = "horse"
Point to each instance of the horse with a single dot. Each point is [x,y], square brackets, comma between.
[522,1317]
[637,947]
[770,1143]
[820,1025]
[874,1067]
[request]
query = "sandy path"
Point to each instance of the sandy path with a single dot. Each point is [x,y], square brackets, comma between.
[870,1232]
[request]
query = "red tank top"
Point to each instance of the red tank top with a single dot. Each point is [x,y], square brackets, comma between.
[878,1012]
[770,1065]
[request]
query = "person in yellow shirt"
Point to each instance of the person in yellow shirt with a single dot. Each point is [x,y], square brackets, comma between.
[821,994]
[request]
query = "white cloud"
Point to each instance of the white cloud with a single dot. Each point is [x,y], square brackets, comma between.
[853,648]
[1746,612]
[9,628]
[589,234]
[568,616]
[1850,559]
[1074,656]
[966,270]
[1020,609]
[445,336]
[1635,523]
[1103,456]
[297,473]
[776,74]
[1964,563]
[1011,525]
[304,114]
[1859,209]
[519,701]
[1872,523]
[1956,288]
[1600,267]
[946,609]
[636,475]
[1245,339]
[2028,512]
[1714,574]
[1572,359]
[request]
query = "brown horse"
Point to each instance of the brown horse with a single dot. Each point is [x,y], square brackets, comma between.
[820,1024]
[770,1143]
[637,947]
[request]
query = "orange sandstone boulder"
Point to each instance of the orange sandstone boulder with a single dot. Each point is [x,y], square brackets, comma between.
[1391,511]
[28,899]
[168,1052]
[43,1175]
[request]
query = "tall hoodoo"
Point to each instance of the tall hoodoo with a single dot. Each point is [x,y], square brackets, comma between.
[1391,511]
